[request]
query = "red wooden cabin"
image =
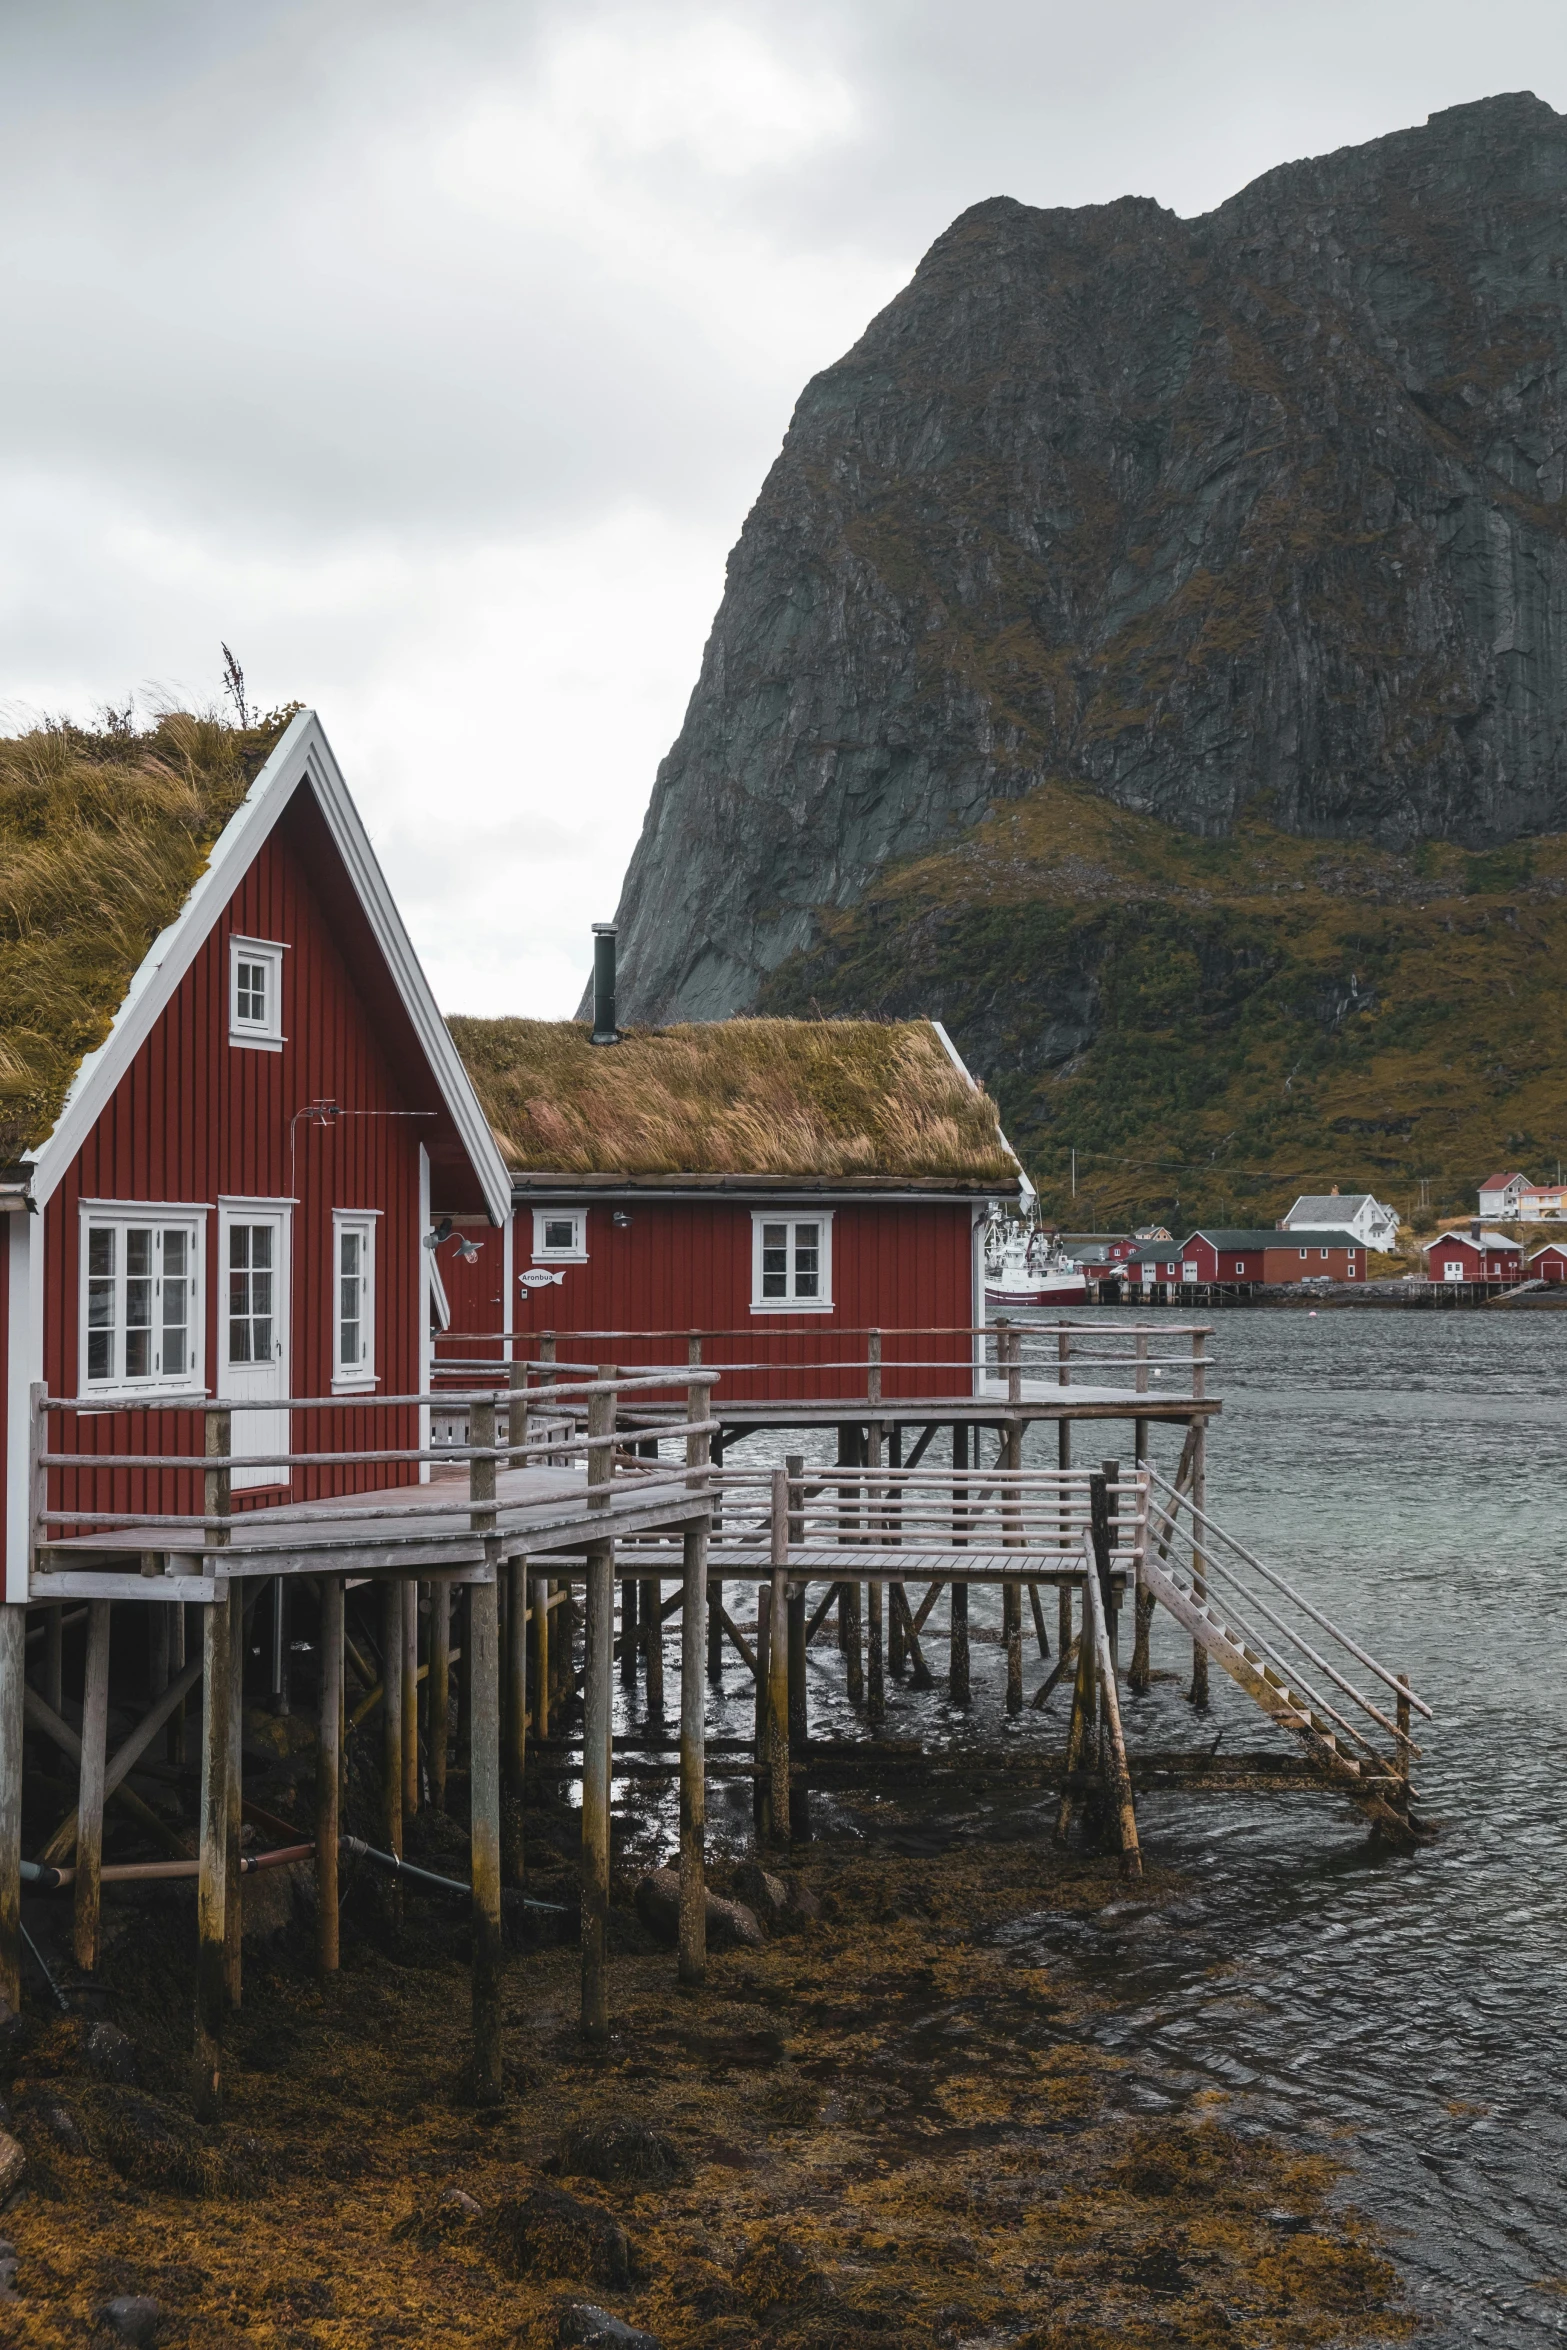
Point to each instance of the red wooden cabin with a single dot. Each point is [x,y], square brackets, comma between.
[1549,1263]
[1264,1259]
[782,1186]
[1473,1255]
[233,1197]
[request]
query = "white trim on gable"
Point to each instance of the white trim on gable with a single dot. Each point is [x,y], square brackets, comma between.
[303,754]
[969,1079]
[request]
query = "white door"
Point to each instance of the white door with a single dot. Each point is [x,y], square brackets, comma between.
[253,1336]
[1452,1269]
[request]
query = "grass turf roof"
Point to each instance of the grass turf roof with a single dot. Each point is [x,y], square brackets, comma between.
[845,1098]
[102,836]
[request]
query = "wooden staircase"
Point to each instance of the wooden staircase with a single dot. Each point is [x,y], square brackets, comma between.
[1179,1571]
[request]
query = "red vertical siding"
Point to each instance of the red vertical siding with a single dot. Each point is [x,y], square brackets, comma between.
[196,1118]
[682,1265]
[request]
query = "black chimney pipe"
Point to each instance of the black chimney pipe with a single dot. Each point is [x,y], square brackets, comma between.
[604,1029]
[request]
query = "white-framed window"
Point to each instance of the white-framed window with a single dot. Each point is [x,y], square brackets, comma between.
[353,1298]
[560,1236]
[256,993]
[143,1298]
[1240,1264]
[791,1262]
[1323,1254]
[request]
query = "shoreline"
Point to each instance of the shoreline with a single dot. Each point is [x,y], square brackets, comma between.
[877,2126]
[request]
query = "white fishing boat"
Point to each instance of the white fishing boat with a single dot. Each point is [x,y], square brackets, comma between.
[1027,1267]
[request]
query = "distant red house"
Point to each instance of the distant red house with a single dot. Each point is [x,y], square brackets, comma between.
[782,1186]
[232,1197]
[1225,1257]
[1549,1263]
[1473,1255]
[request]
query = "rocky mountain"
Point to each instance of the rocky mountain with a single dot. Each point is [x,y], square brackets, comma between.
[1258,511]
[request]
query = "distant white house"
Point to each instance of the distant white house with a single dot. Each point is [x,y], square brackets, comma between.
[1500,1195]
[1373,1225]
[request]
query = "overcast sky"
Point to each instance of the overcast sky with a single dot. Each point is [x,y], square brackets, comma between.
[432,351]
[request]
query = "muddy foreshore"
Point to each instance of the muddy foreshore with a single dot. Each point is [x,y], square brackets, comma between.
[878,2128]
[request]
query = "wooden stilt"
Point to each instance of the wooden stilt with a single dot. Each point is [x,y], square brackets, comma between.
[628,1632]
[516,1683]
[1080,1732]
[958,1644]
[463,1741]
[652,1611]
[1113,1764]
[693,1758]
[89,1802]
[438,1703]
[761,1737]
[329,1769]
[1037,1605]
[876,1682]
[484,1764]
[392,1718]
[540,1629]
[1012,1592]
[598,1662]
[778,1666]
[715,1631]
[212,1880]
[482,1636]
[234,1911]
[1199,1691]
[410,1669]
[54,1659]
[597,1730]
[13,1676]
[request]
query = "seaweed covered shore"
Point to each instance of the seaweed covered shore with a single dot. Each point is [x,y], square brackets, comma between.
[879,2126]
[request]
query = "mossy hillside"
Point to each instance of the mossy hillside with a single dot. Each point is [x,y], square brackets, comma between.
[1217,1024]
[102,835]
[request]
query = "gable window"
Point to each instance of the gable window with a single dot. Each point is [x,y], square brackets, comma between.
[353,1299]
[142,1320]
[1240,1264]
[791,1263]
[256,993]
[560,1236]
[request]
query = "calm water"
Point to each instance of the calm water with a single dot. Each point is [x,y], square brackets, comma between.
[1410,1470]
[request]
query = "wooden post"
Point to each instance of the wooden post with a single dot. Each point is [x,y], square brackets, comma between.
[483,1636]
[628,1632]
[1111,1472]
[392,1726]
[515,1681]
[799,1711]
[1080,1733]
[1037,1608]
[761,1734]
[13,1679]
[539,1627]
[1199,1692]
[873,1366]
[329,1768]
[596,1731]
[234,1913]
[89,1801]
[1064,1590]
[692,1965]
[438,1703]
[1012,1591]
[1113,1764]
[958,1656]
[597,1726]
[54,1658]
[212,1879]
[652,1614]
[1405,1763]
[875,1604]
[410,1671]
[778,1665]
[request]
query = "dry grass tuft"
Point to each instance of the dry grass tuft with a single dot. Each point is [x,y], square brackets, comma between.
[733,1097]
[101,837]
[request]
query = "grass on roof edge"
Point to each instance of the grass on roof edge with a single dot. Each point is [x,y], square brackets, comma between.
[732,1097]
[103,833]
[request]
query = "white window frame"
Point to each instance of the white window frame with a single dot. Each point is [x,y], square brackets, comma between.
[577,1254]
[793,1217]
[360,1377]
[263,1036]
[161,1216]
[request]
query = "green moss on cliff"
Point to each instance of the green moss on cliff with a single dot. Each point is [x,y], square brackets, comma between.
[1214,1025]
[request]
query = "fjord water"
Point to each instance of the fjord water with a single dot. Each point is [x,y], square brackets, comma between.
[1409,1469]
[1405,2014]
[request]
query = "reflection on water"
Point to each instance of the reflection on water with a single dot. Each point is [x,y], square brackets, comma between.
[1409,1469]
